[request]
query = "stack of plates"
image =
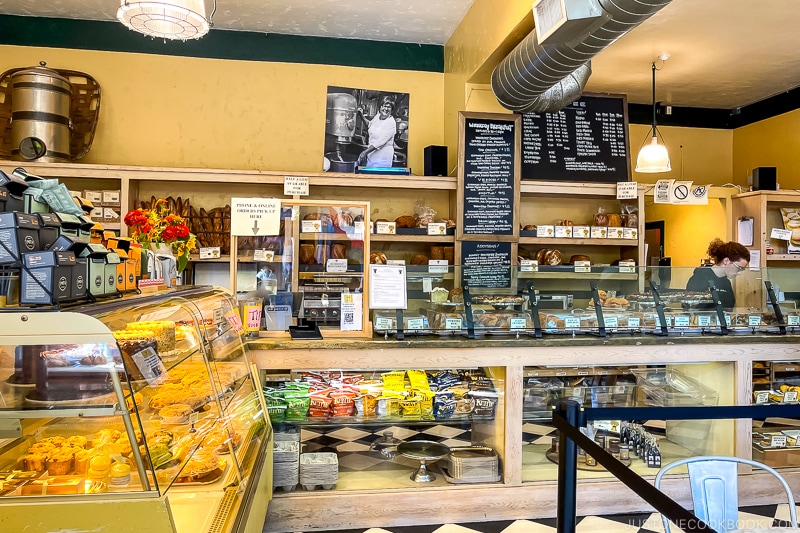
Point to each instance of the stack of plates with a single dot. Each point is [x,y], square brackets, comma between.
[286,464]
[287,434]
[472,464]
[319,469]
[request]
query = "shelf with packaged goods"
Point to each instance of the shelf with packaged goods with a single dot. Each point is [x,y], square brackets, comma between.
[329,237]
[578,242]
[379,237]
[571,274]
[782,257]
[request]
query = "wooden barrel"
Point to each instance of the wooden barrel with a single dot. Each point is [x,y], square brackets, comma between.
[40,123]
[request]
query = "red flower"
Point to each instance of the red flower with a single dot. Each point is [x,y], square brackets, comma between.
[182,231]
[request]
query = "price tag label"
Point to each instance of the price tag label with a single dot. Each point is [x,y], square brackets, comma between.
[572,322]
[612,322]
[234,320]
[358,227]
[777,441]
[295,185]
[627,266]
[626,190]
[681,321]
[427,285]
[762,397]
[793,320]
[563,232]
[194,416]
[704,321]
[252,315]
[599,232]
[311,226]
[267,256]
[437,228]
[615,233]
[581,232]
[416,323]
[780,234]
[790,396]
[546,231]
[727,320]
[386,228]
[630,233]
[336,265]
[583,372]
[634,322]
[209,252]
[561,373]
[518,323]
[383,323]
[437,266]
[754,320]
[667,318]
[583,266]
[452,323]
[150,365]
[528,265]
[219,315]
[400,262]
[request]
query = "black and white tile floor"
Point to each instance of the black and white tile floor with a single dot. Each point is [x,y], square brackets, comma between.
[749,517]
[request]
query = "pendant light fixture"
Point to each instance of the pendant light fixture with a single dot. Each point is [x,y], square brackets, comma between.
[653,157]
[166,19]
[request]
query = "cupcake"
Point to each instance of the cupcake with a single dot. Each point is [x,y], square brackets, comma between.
[59,462]
[77,441]
[34,461]
[82,461]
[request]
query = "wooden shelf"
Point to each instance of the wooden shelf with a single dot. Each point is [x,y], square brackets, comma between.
[195,258]
[579,275]
[579,242]
[328,237]
[782,257]
[379,237]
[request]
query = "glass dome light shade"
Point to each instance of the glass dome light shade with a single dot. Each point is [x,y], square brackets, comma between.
[166,19]
[653,158]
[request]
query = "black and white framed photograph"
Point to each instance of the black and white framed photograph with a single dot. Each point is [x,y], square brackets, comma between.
[365,128]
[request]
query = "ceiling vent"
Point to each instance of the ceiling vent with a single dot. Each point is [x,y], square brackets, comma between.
[562,21]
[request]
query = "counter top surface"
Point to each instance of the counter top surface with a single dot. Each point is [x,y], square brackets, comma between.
[489,342]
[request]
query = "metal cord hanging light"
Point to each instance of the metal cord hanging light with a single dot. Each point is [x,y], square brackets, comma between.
[653,157]
[166,19]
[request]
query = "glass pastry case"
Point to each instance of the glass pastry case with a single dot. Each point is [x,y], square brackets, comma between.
[148,404]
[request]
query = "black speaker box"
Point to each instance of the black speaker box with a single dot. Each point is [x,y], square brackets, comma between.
[435,160]
[765,179]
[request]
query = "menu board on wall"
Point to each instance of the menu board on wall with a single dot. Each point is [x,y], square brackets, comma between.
[585,141]
[488,176]
[486,264]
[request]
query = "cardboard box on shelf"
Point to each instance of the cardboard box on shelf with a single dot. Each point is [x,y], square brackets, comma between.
[111,198]
[47,278]
[19,233]
[96,197]
[110,214]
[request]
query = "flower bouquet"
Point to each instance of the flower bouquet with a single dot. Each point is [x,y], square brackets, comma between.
[157,226]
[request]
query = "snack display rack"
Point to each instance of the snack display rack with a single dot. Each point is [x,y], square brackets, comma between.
[171,433]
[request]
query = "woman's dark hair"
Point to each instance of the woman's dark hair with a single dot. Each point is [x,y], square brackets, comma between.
[388,101]
[718,250]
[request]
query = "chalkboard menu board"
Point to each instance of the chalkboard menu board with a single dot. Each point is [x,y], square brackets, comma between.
[585,141]
[488,176]
[486,264]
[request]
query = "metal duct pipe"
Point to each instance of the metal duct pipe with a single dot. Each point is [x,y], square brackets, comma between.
[536,78]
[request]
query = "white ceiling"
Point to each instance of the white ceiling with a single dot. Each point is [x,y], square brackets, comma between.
[724,53]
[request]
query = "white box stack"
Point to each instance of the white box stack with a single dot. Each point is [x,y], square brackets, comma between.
[286,464]
[319,469]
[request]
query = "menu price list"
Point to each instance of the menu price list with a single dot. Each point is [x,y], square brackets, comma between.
[483,264]
[585,141]
[488,177]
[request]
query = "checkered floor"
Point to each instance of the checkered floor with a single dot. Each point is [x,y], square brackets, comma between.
[749,517]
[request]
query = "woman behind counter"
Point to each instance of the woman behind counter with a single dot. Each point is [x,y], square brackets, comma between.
[730,259]
[382,129]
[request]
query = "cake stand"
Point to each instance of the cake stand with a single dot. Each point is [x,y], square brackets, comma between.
[424,451]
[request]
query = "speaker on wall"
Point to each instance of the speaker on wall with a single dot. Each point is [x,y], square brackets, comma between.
[765,179]
[435,160]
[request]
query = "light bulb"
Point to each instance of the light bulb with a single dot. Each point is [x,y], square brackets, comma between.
[653,158]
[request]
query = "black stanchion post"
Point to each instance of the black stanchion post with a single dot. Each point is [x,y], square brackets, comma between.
[569,410]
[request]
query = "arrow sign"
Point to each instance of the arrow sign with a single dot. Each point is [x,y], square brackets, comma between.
[255,216]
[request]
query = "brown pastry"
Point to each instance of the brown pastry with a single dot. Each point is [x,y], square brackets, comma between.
[552,258]
[529,227]
[632,220]
[377,258]
[345,220]
[601,219]
[381,219]
[338,251]
[307,254]
[565,223]
[575,258]
[450,254]
[405,221]
[449,223]
[312,216]
[419,259]
[614,220]
[437,252]
[540,255]
[457,295]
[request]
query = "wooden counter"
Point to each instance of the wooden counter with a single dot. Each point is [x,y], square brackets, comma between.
[512,499]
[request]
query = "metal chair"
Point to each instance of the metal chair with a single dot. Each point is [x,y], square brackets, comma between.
[713,480]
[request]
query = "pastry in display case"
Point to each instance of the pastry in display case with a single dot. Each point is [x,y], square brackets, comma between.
[126,398]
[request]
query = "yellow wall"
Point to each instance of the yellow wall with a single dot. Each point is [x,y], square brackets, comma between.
[774,142]
[164,111]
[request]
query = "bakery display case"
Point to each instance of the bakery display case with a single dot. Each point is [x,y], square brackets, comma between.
[312,273]
[362,418]
[642,445]
[142,403]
